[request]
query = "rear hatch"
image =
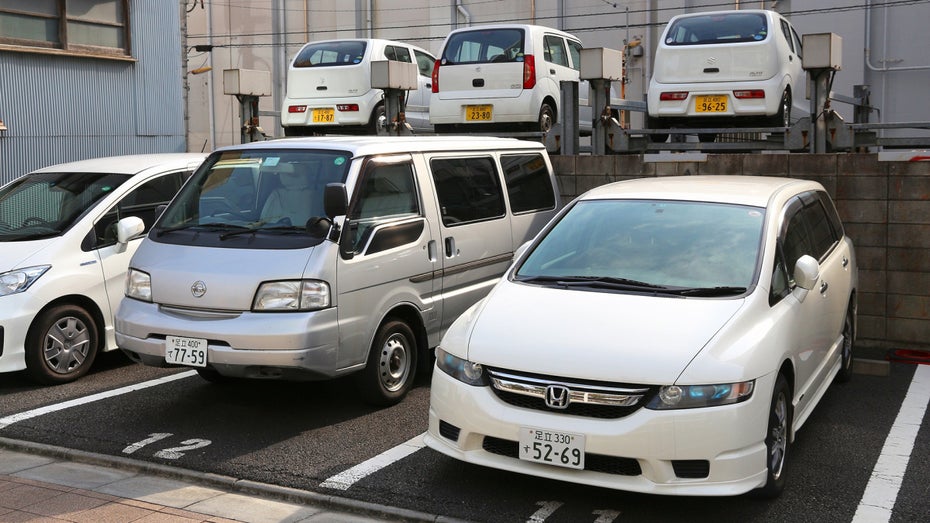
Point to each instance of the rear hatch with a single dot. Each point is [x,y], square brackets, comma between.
[333,69]
[717,47]
[486,63]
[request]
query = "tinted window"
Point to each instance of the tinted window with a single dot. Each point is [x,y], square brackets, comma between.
[529,186]
[424,63]
[797,43]
[397,53]
[554,50]
[388,192]
[720,28]
[331,53]
[488,45]
[808,230]
[786,31]
[468,189]
[142,202]
[574,48]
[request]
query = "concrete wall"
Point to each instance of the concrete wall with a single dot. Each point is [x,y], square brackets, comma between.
[885,207]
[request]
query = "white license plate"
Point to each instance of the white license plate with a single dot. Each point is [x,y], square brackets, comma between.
[186,351]
[554,448]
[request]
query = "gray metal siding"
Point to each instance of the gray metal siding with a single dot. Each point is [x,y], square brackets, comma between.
[64,108]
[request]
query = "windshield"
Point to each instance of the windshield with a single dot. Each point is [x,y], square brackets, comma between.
[48,204]
[239,194]
[650,245]
[719,28]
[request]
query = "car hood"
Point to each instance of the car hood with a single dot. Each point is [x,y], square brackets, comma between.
[606,336]
[19,254]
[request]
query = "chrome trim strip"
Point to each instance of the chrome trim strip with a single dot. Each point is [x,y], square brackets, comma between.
[571,385]
[578,393]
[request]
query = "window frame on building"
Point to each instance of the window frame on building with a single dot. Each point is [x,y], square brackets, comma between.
[63,27]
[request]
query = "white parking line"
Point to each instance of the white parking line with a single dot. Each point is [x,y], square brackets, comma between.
[882,490]
[346,479]
[9,420]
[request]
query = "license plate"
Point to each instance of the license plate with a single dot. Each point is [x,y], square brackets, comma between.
[710,104]
[479,113]
[562,449]
[186,351]
[324,115]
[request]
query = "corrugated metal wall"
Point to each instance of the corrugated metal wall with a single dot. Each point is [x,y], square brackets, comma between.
[62,108]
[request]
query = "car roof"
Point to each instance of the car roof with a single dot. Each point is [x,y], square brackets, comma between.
[527,27]
[766,12]
[127,164]
[379,41]
[756,191]
[368,145]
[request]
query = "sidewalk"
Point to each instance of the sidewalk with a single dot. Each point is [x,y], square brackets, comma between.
[38,486]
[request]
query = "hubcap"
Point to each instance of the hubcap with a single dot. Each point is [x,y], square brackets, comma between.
[847,344]
[395,363]
[66,345]
[545,122]
[778,436]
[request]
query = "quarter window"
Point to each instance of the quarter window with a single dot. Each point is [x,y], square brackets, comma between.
[529,187]
[555,50]
[468,188]
[396,53]
[96,27]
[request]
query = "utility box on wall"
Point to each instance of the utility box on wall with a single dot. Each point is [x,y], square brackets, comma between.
[247,82]
[823,51]
[391,74]
[599,63]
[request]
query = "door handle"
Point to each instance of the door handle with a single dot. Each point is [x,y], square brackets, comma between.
[450,246]
[431,250]
[551,71]
[845,261]
[823,287]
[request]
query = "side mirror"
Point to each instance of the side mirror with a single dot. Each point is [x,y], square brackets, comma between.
[335,200]
[806,272]
[127,229]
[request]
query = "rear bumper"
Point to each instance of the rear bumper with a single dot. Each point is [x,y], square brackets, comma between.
[768,106]
[366,105]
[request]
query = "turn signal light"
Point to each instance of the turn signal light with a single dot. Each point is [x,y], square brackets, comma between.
[673,96]
[749,93]
[435,77]
[297,108]
[347,107]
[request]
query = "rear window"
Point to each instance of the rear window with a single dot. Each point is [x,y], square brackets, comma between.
[483,46]
[720,28]
[331,54]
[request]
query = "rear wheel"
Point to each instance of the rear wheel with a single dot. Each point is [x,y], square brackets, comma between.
[707,137]
[546,118]
[783,117]
[846,357]
[391,367]
[376,125]
[776,439]
[61,345]
[654,123]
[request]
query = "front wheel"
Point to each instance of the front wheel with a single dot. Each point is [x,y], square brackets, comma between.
[61,345]
[391,367]
[776,439]
[846,357]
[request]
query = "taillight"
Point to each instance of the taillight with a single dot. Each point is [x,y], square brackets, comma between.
[674,96]
[297,108]
[749,93]
[529,71]
[347,107]
[435,77]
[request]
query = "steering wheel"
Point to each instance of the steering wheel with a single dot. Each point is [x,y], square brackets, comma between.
[35,220]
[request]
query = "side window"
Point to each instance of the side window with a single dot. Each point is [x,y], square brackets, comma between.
[795,241]
[529,186]
[786,31]
[780,280]
[397,53]
[143,202]
[821,229]
[388,192]
[554,50]
[574,49]
[468,189]
[797,43]
[424,63]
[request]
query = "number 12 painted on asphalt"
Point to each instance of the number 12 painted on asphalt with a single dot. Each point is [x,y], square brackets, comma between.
[172,453]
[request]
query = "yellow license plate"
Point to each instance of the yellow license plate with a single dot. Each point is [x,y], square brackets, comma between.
[710,104]
[478,113]
[324,115]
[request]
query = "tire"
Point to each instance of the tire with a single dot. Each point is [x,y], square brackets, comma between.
[61,345]
[846,357]
[783,117]
[391,367]
[212,376]
[546,118]
[707,137]
[378,119]
[776,439]
[654,123]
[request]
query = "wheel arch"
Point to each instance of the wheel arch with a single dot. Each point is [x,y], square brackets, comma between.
[85,303]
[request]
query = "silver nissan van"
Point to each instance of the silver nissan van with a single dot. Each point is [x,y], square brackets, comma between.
[313,258]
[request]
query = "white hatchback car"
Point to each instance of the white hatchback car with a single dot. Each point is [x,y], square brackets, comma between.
[67,234]
[665,336]
[726,68]
[329,87]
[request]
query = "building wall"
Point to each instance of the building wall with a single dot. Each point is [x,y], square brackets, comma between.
[62,108]
[885,207]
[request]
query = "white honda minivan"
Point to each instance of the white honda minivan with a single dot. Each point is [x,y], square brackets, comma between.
[726,68]
[329,87]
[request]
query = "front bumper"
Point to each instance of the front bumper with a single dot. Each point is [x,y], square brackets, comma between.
[730,439]
[16,314]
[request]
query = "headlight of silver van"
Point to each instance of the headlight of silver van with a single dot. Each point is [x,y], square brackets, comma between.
[293,295]
[19,280]
[139,285]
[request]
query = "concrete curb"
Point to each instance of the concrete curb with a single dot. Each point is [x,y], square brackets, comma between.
[228,483]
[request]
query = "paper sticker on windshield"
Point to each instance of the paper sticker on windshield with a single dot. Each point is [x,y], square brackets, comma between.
[271,161]
[339,160]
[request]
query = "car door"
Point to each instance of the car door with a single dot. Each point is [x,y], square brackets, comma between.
[417,112]
[793,67]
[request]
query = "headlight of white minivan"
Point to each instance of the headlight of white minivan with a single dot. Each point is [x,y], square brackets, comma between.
[293,295]
[695,396]
[462,370]
[139,285]
[19,280]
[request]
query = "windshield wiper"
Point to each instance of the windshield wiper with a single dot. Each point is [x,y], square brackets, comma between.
[211,225]
[290,229]
[607,282]
[722,290]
